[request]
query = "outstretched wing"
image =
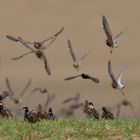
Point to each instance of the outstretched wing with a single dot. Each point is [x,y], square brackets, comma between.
[46,64]
[71,51]
[84,56]
[21,56]
[96,80]
[11,92]
[121,74]
[72,77]
[26,87]
[12,38]
[107,29]
[47,42]
[110,71]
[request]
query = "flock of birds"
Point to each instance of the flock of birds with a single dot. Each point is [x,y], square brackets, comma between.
[38,48]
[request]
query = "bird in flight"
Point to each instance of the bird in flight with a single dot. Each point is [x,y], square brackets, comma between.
[111,41]
[116,82]
[77,62]
[84,76]
[17,99]
[38,48]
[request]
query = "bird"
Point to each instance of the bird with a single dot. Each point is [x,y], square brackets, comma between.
[111,41]
[30,116]
[84,76]
[17,99]
[77,62]
[51,116]
[125,103]
[4,112]
[38,48]
[116,82]
[107,114]
[90,110]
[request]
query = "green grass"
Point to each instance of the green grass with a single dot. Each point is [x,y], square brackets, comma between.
[70,129]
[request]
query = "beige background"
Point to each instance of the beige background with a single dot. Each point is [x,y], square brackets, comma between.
[82,19]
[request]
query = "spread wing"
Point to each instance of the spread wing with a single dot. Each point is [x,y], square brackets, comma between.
[12,38]
[72,77]
[84,56]
[71,51]
[11,93]
[21,56]
[26,87]
[110,71]
[121,74]
[47,42]
[107,29]
[46,64]
[19,39]
[96,80]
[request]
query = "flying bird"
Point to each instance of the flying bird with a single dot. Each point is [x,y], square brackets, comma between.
[17,99]
[84,76]
[38,48]
[116,82]
[76,61]
[111,41]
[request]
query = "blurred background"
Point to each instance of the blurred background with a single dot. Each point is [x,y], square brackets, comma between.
[82,22]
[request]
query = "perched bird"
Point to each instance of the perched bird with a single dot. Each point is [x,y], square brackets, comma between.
[30,116]
[111,41]
[16,98]
[4,95]
[107,114]
[84,76]
[38,48]
[4,112]
[77,62]
[90,111]
[116,82]
[40,113]
[51,116]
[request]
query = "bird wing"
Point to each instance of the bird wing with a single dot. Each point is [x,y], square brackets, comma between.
[68,100]
[71,51]
[11,92]
[121,74]
[107,29]
[110,71]
[72,77]
[21,56]
[96,80]
[47,42]
[118,35]
[84,56]
[46,64]
[19,39]
[26,87]
[12,38]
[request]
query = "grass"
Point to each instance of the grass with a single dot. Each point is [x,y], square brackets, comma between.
[70,129]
